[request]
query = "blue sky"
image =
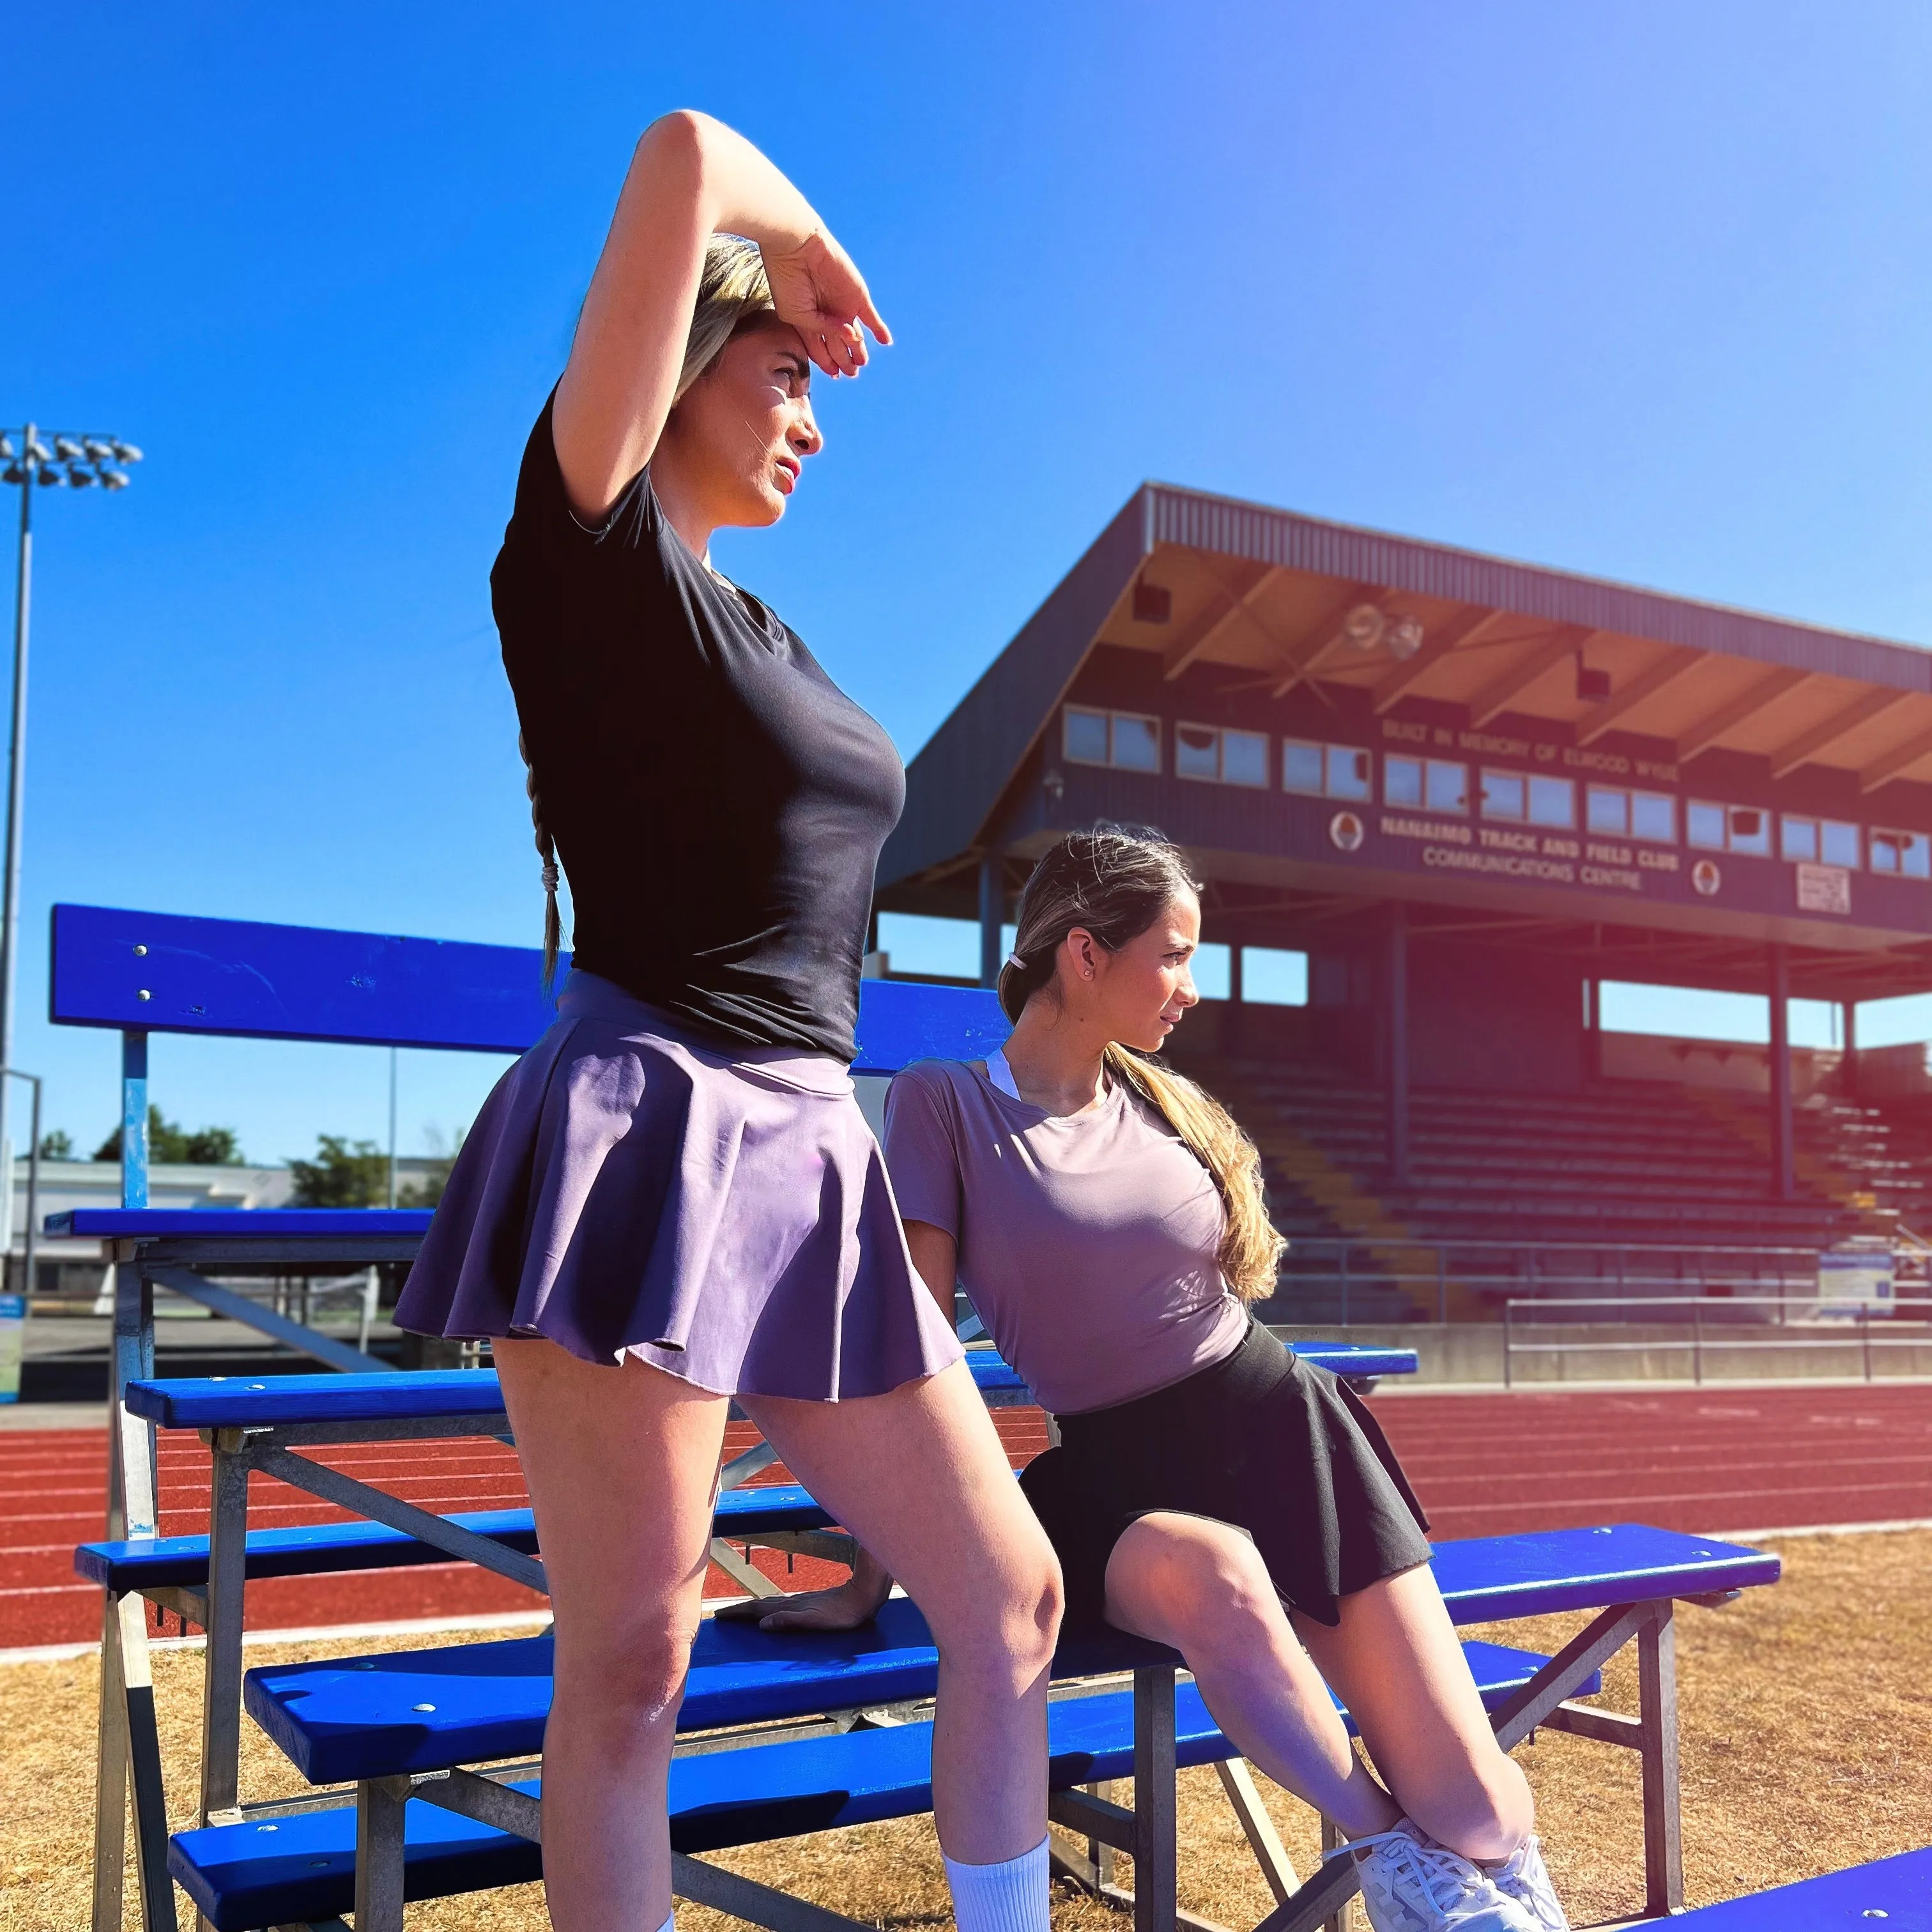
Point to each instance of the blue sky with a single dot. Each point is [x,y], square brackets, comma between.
[1638,291]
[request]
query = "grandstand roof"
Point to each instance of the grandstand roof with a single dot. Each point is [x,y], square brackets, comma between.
[1189,606]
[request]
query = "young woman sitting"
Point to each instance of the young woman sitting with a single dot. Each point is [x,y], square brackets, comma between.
[1106,1218]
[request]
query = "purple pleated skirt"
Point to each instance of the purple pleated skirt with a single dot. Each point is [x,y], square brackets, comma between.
[632,1187]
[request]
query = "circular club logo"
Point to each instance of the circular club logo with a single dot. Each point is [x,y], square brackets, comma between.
[1347,831]
[1705,877]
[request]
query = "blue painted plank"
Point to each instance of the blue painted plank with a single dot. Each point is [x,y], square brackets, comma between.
[900,1022]
[238,1402]
[1357,1358]
[173,974]
[1894,1894]
[1544,1570]
[301,1868]
[328,1548]
[426,1710]
[163,973]
[266,1224]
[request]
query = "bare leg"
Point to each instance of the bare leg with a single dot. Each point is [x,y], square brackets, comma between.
[1202,1586]
[919,1475]
[621,1462]
[1397,1664]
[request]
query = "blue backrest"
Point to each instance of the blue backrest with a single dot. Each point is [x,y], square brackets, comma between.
[161,973]
[145,973]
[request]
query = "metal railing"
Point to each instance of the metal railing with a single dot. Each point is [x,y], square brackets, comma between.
[1817,1325]
[1332,1278]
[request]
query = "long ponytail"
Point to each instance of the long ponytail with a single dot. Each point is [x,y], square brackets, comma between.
[546,845]
[1115,881]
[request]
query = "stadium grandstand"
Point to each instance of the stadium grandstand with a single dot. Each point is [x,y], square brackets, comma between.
[1471,791]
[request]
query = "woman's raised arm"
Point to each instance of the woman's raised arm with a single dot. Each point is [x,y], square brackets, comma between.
[690,177]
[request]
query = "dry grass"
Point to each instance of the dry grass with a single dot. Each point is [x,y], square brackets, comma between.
[1806,1723]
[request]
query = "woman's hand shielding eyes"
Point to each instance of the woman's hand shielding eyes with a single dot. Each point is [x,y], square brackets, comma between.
[815,288]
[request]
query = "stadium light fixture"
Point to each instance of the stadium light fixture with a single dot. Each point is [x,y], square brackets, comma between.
[79,459]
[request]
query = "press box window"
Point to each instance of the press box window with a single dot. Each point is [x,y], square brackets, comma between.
[1618,814]
[1504,796]
[1728,828]
[1829,840]
[1122,738]
[1227,757]
[1552,802]
[1324,771]
[1907,853]
[1425,784]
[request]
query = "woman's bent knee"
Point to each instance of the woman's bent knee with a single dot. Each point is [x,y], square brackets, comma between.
[1212,1594]
[1004,1637]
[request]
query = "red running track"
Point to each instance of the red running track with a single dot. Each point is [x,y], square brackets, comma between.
[1707,1459]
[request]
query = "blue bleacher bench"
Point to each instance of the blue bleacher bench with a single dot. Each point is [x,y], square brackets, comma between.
[408,1724]
[142,973]
[422,1710]
[145,974]
[301,1867]
[1892,1894]
[176,1563]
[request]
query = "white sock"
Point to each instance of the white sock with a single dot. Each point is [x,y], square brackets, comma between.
[670,1921]
[1009,1896]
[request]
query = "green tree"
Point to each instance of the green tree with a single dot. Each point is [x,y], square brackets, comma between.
[168,1141]
[428,1192]
[343,1174]
[57,1145]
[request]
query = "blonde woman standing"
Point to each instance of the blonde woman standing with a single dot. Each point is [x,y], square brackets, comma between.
[672,1199]
[1209,1491]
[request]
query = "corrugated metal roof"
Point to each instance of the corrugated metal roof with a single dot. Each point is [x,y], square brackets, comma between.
[957,778]
[1198,521]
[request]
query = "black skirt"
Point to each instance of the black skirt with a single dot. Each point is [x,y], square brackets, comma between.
[1261,1441]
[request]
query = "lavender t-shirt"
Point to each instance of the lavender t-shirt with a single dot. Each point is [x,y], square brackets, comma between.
[1087,1242]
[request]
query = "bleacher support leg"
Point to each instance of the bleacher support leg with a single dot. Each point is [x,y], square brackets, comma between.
[110,1781]
[380,1804]
[1322,1903]
[745,1898]
[129,1751]
[1156,1851]
[1663,1825]
[144,1766]
[227,1569]
[1344,1918]
[1258,1827]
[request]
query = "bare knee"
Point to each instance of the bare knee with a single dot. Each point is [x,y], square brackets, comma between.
[1215,1597]
[625,1681]
[1001,1631]
[1485,1812]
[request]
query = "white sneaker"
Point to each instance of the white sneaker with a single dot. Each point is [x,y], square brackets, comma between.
[1410,1883]
[1521,1877]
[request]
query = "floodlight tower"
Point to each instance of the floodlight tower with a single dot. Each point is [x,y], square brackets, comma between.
[78,459]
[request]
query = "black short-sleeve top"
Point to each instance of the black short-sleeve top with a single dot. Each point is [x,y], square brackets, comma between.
[718,802]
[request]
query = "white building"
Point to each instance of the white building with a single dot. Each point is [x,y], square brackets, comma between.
[66,1184]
